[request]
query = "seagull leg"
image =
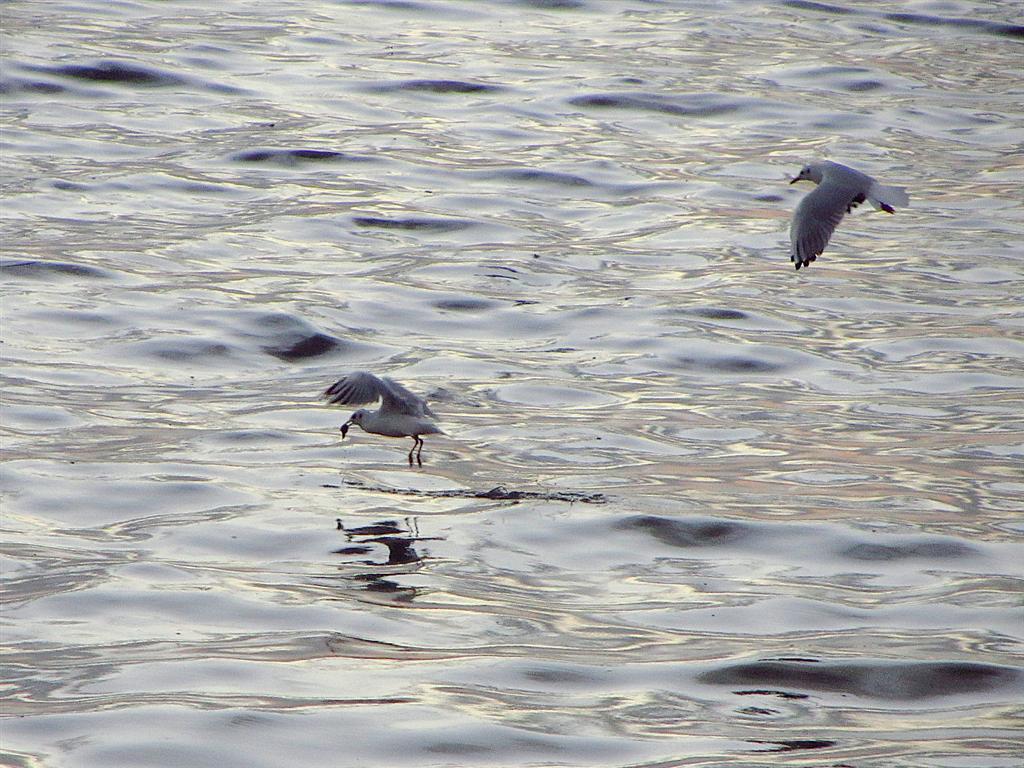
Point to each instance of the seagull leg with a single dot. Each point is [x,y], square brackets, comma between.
[414,439]
[419,453]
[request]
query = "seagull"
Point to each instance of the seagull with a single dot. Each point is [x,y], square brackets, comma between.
[840,190]
[401,413]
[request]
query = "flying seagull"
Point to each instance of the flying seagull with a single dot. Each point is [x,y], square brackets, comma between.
[401,413]
[840,190]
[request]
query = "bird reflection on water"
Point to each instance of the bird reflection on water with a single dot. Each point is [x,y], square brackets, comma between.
[399,541]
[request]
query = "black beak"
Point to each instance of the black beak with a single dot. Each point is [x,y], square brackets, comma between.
[344,429]
[794,181]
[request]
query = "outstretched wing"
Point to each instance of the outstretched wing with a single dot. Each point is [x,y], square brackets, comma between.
[397,398]
[816,218]
[354,389]
[362,387]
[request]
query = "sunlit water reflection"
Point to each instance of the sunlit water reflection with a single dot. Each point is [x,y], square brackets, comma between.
[692,508]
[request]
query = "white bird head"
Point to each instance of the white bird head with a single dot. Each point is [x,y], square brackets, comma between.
[355,418]
[810,172]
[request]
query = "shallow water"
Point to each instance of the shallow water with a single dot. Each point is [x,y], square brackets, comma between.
[746,516]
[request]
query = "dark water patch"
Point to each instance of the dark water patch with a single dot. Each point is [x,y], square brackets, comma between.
[70,186]
[1015,31]
[718,313]
[13,85]
[851,79]
[861,86]
[686,105]
[186,350]
[839,120]
[435,86]
[189,187]
[295,156]
[729,364]
[997,28]
[560,676]
[48,270]
[794,745]
[281,335]
[294,339]
[304,348]
[464,304]
[936,549]
[115,71]
[127,73]
[498,493]
[881,680]
[537,176]
[728,359]
[144,182]
[413,223]
[691,532]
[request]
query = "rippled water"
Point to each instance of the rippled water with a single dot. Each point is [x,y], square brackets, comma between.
[693,507]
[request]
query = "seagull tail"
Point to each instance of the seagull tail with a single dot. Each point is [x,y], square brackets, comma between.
[885,198]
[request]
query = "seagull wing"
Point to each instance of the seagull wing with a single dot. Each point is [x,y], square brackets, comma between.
[398,398]
[354,389]
[362,387]
[816,218]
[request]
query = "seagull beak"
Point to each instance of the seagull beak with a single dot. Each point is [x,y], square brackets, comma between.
[794,181]
[344,429]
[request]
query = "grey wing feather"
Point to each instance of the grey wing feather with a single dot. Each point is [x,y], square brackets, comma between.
[354,389]
[361,387]
[397,398]
[816,218]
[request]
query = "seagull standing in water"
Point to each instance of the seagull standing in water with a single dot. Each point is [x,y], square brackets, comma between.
[401,413]
[840,190]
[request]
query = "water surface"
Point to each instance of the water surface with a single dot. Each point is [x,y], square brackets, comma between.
[692,508]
